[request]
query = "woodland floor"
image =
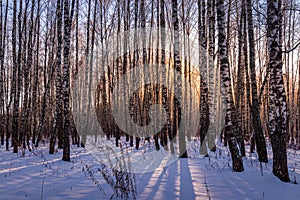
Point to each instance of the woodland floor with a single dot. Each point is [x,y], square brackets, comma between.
[39,175]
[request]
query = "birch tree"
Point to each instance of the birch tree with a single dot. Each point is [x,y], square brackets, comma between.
[230,122]
[204,99]
[66,82]
[277,96]
[58,122]
[255,107]
[15,80]
[177,65]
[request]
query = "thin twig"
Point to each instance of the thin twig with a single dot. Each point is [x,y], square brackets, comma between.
[207,190]
[292,49]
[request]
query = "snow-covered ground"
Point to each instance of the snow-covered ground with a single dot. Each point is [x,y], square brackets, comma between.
[39,175]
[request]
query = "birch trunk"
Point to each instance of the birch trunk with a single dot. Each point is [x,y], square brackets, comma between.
[177,77]
[66,82]
[230,125]
[255,107]
[277,95]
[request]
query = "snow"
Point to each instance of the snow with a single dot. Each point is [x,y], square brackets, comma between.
[39,175]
